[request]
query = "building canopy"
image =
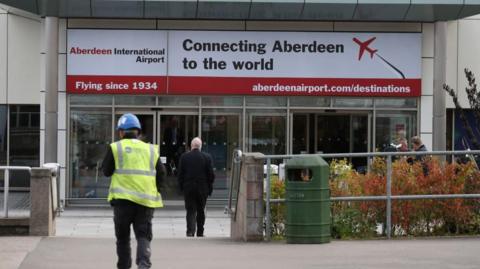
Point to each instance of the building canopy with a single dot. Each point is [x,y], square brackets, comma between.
[292,10]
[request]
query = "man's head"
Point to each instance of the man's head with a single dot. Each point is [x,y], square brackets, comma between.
[416,142]
[128,125]
[196,143]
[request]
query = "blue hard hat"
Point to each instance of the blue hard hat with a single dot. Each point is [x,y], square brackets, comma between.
[128,121]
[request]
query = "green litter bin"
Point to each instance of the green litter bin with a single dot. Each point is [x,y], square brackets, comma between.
[308,216]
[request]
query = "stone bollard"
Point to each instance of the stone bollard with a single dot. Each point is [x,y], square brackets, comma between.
[42,217]
[248,224]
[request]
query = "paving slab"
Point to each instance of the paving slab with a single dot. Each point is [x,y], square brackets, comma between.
[14,249]
[178,253]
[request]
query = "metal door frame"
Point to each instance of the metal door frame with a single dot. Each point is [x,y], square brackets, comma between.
[349,113]
[239,114]
[367,113]
[175,113]
[290,129]
[136,112]
[250,127]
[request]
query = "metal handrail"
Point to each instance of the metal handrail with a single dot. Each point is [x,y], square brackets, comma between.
[57,202]
[234,182]
[6,183]
[388,197]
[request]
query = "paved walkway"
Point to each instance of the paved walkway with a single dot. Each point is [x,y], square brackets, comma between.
[97,223]
[85,240]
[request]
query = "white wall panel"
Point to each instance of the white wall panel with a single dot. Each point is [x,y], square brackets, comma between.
[474,17]
[62,36]
[428,38]
[452,59]
[42,146]
[62,147]
[201,25]
[468,54]
[377,27]
[3,58]
[62,111]
[111,24]
[427,76]
[62,72]
[427,140]
[24,60]
[42,36]
[426,114]
[43,84]
[42,110]
[289,26]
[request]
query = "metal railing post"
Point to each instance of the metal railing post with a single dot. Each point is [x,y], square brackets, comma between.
[389,196]
[232,181]
[267,213]
[6,184]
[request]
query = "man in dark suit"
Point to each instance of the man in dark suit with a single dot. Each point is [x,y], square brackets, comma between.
[195,178]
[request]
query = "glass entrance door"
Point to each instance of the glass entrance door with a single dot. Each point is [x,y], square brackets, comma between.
[331,133]
[343,134]
[267,134]
[147,121]
[176,132]
[220,135]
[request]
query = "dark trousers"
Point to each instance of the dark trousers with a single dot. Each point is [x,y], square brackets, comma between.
[124,215]
[195,206]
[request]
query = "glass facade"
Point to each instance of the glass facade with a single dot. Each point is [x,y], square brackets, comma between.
[90,135]
[19,142]
[271,125]
[391,127]
[24,141]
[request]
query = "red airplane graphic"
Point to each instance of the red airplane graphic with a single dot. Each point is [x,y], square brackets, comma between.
[364,47]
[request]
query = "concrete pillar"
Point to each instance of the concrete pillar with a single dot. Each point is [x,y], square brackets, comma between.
[248,223]
[42,217]
[51,90]
[439,78]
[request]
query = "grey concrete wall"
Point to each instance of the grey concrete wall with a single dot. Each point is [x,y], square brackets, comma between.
[248,224]
[42,217]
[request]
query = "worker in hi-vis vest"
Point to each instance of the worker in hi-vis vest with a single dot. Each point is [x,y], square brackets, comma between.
[134,193]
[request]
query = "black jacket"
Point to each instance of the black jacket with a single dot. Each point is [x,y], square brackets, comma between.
[196,172]
[108,167]
[420,157]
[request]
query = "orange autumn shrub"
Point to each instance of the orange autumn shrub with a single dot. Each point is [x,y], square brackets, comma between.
[409,217]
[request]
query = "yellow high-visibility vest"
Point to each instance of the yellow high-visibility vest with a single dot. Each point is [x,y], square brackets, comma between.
[134,175]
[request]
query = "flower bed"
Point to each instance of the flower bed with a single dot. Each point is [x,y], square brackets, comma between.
[409,217]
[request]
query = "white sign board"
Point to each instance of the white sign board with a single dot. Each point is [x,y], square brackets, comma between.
[256,63]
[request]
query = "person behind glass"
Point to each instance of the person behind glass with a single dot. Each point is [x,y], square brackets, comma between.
[134,190]
[174,144]
[195,179]
[418,145]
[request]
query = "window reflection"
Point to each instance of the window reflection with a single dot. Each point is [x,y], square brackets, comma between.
[24,141]
[220,138]
[396,102]
[392,128]
[352,102]
[255,101]
[90,136]
[268,134]
[3,139]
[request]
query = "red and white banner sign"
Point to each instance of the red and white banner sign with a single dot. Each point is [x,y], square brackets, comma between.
[243,63]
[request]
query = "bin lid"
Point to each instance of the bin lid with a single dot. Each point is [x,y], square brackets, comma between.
[305,161]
